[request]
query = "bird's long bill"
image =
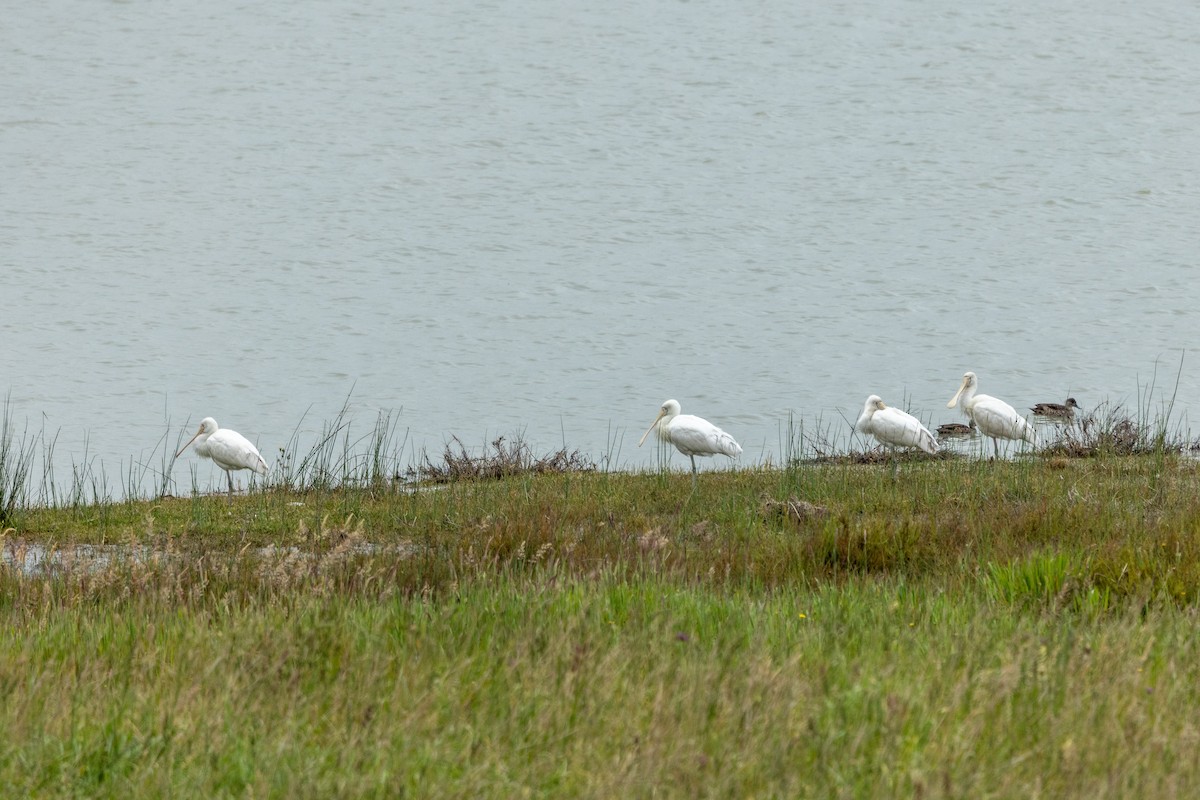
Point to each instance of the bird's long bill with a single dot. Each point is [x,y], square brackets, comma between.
[954,400]
[652,424]
[189,443]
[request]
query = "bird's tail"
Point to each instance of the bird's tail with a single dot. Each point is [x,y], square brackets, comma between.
[928,443]
[730,447]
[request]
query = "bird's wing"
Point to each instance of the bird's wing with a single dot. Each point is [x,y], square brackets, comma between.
[997,418]
[899,428]
[699,437]
[231,450]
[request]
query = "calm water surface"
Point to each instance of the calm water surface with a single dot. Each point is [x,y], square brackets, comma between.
[548,217]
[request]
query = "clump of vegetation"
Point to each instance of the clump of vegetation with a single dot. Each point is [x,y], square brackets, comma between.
[506,458]
[797,511]
[339,457]
[1113,431]
[16,467]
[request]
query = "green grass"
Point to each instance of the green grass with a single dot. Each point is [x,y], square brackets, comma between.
[1008,629]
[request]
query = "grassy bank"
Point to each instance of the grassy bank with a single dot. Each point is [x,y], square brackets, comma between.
[974,629]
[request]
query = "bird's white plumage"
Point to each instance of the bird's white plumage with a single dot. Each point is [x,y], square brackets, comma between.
[893,427]
[691,435]
[228,449]
[993,417]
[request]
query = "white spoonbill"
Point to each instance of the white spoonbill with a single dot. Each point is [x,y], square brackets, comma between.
[691,435]
[228,449]
[994,418]
[894,428]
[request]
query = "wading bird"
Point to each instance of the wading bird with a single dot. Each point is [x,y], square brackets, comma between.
[691,435]
[955,429]
[994,418]
[228,449]
[894,428]
[1057,410]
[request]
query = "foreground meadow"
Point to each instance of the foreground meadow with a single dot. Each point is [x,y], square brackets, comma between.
[1011,629]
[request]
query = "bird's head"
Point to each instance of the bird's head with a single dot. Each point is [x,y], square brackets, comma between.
[668,410]
[873,404]
[208,426]
[968,382]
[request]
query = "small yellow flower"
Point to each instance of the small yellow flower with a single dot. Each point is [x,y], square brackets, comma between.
[803,615]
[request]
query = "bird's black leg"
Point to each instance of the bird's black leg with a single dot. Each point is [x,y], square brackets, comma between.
[693,472]
[229,477]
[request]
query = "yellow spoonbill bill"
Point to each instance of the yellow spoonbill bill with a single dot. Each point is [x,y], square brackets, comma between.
[691,435]
[228,449]
[1064,411]
[894,428]
[994,418]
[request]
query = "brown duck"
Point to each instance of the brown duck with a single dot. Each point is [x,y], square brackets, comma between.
[1057,410]
[956,429]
